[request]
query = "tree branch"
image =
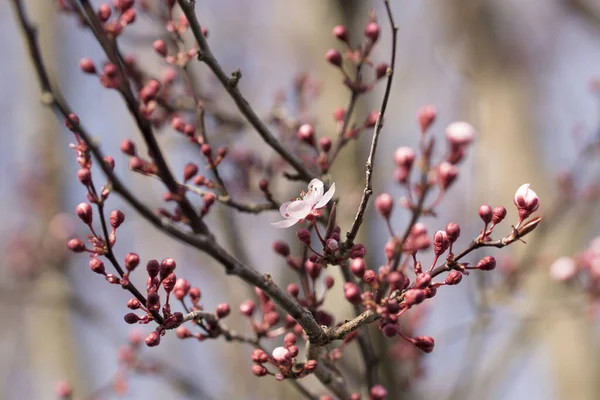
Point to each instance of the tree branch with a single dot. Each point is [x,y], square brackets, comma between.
[230,84]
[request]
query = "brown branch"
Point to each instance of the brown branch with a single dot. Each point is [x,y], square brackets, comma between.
[202,242]
[368,191]
[252,208]
[110,47]
[206,56]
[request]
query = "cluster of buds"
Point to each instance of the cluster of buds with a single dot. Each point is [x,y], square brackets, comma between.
[265,325]
[283,358]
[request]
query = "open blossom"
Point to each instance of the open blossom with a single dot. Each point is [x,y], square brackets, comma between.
[307,204]
[526,200]
[563,269]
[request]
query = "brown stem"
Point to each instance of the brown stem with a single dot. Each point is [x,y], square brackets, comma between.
[230,84]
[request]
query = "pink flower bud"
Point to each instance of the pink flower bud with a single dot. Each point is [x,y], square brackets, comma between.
[131,318]
[128,17]
[87,66]
[63,389]
[381,70]
[259,356]
[334,57]
[76,246]
[357,266]
[371,119]
[413,297]
[486,213]
[459,134]
[195,295]
[160,47]
[259,370]
[280,247]
[181,289]
[384,203]
[447,173]
[132,260]
[306,133]
[340,32]
[116,218]
[263,185]
[178,124]
[97,266]
[453,278]
[189,171]
[153,339]
[370,276]
[313,269]
[452,232]
[352,293]
[426,117]
[424,343]
[498,215]
[206,149]
[487,263]
[440,242]
[169,283]
[329,282]
[85,176]
[303,235]
[404,157]
[247,308]
[358,251]
[133,304]
[84,212]
[223,310]
[128,147]
[526,201]
[183,333]
[293,290]
[563,269]
[389,330]
[372,31]
[167,266]
[289,339]
[281,355]
[332,245]
[378,392]
[71,122]
[325,144]
[422,280]
[153,267]
[339,114]
[104,12]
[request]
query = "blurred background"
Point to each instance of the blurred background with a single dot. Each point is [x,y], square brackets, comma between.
[522,72]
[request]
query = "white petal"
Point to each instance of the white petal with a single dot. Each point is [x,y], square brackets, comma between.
[299,209]
[326,197]
[283,209]
[286,223]
[315,189]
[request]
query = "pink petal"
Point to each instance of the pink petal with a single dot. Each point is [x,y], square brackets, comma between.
[315,188]
[286,223]
[326,197]
[283,209]
[299,209]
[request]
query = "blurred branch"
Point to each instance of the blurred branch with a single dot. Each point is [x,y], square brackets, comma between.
[231,86]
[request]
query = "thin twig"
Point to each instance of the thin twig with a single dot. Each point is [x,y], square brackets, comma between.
[368,191]
[206,56]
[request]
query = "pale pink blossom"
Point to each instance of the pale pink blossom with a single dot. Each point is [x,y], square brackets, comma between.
[563,269]
[526,200]
[307,204]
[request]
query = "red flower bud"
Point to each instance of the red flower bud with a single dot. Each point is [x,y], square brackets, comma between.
[223,310]
[87,66]
[97,266]
[84,212]
[181,289]
[372,31]
[131,318]
[340,32]
[358,251]
[453,278]
[426,117]
[306,133]
[132,260]
[76,246]
[293,290]
[334,57]
[116,218]
[486,213]
[303,235]
[247,308]
[153,339]
[487,263]
[498,215]
[325,144]
[153,267]
[378,392]
[357,266]
[424,343]
[160,47]
[189,171]
[381,70]
[85,176]
[384,203]
[352,293]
